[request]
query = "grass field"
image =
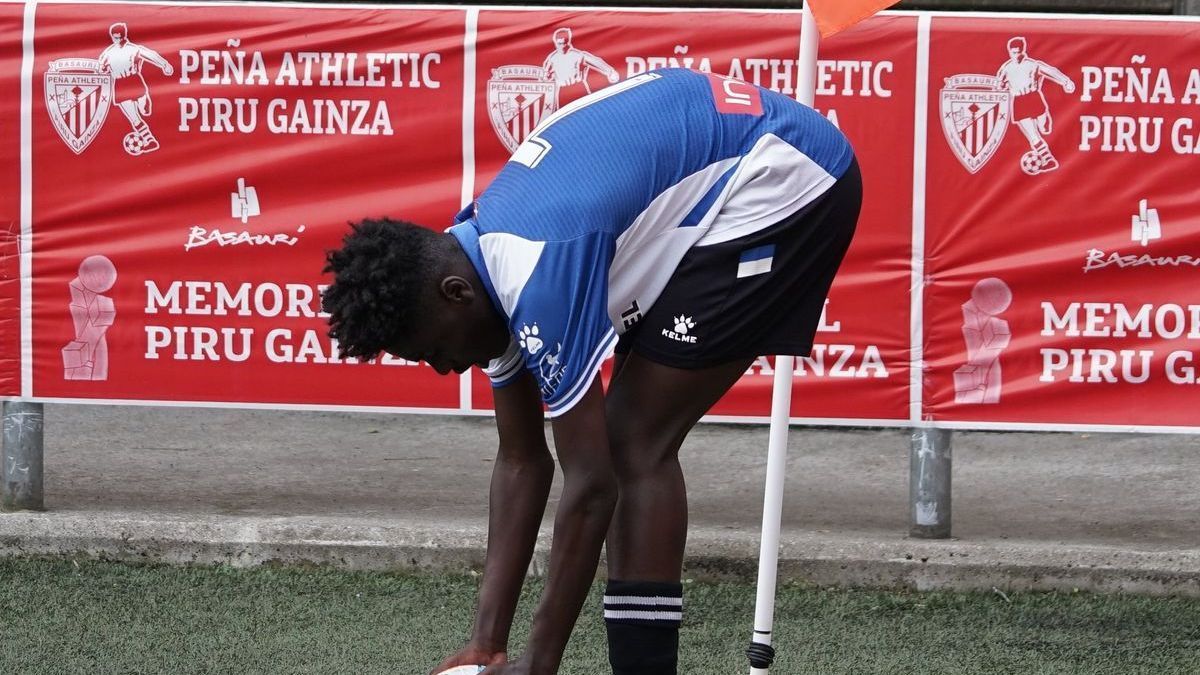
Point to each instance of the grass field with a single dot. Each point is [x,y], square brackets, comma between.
[62,616]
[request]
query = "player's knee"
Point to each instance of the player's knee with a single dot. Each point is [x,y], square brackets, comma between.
[643,626]
[639,451]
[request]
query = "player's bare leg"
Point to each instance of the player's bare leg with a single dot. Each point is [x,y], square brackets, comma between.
[140,140]
[1045,123]
[1038,159]
[651,408]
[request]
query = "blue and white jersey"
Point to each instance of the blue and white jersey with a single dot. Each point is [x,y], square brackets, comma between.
[581,230]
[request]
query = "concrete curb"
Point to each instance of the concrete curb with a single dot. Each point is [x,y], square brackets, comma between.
[888,560]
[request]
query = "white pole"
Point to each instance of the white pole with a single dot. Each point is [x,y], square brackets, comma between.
[806,66]
[761,653]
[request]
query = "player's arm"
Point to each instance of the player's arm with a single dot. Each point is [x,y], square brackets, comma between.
[521,481]
[1057,76]
[584,513]
[156,58]
[520,486]
[601,65]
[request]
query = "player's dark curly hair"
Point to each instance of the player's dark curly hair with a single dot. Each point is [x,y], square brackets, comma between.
[379,275]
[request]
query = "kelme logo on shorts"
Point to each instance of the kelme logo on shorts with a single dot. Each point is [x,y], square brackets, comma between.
[683,326]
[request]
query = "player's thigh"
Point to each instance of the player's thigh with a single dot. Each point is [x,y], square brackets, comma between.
[651,407]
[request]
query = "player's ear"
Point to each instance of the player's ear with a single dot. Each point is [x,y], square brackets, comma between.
[457,289]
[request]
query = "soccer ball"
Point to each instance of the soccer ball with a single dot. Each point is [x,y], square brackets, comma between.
[133,143]
[1030,163]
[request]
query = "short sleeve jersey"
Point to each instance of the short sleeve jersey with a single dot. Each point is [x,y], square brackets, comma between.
[580,231]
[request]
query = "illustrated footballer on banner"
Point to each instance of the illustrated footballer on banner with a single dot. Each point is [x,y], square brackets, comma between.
[124,60]
[976,110]
[519,97]
[569,67]
[86,357]
[1023,77]
[986,335]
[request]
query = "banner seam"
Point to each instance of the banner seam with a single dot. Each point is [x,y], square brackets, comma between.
[25,239]
[916,366]
[470,34]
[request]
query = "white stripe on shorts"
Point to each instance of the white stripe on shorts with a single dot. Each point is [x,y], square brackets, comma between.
[753,267]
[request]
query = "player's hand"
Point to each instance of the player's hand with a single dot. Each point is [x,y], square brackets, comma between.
[471,655]
[613,77]
[1069,87]
[168,70]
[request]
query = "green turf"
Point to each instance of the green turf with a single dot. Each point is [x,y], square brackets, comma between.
[60,616]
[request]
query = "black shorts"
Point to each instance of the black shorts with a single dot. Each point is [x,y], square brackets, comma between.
[720,305]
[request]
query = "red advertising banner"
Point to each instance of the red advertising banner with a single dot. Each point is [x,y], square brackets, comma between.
[1062,231]
[191,167]
[529,63]
[11,33]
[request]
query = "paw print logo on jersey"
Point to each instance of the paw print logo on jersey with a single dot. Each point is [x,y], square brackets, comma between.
[529,339]
[683,323]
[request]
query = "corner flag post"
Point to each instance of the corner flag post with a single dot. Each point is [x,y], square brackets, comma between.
[819,18]
[760,652]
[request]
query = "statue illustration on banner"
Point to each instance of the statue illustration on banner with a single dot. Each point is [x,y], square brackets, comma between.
[86,357]
[976,110]
[79,92]
[986,335]
[519,97]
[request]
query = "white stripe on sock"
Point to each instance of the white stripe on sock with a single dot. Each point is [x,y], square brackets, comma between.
[643,600]
[642,615]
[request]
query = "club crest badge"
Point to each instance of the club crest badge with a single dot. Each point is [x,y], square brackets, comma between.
[78,97]
[977,110]
[518,98]
[975,115]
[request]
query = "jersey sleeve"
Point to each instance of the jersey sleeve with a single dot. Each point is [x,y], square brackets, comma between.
[505,368]
[560,324]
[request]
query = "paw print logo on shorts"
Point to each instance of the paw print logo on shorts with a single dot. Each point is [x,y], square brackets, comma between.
[683,324]
[530,341]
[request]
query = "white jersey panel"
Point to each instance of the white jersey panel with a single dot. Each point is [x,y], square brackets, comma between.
[773,181]
[510,260]
[650,249]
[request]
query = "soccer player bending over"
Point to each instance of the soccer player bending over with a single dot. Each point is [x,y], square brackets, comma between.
[688,221]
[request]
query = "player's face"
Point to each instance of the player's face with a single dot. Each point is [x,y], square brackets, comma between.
[1016,52]
[448,341]
[117,36]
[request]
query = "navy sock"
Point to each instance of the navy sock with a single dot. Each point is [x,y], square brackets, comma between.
[643,620]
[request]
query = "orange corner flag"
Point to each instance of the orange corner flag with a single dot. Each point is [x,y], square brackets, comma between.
[834,16]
